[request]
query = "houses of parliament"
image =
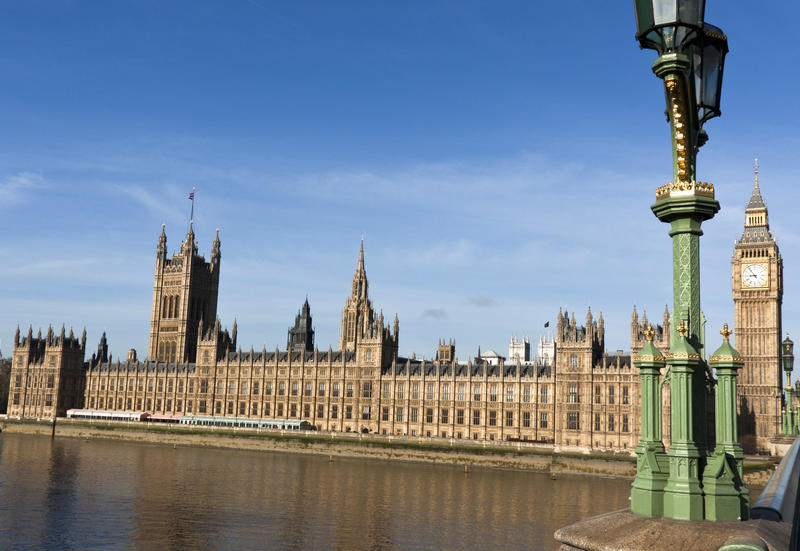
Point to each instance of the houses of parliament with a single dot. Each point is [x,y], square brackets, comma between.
[579,397]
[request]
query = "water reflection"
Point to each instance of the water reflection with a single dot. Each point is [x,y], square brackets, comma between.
[66,494]
[59,497]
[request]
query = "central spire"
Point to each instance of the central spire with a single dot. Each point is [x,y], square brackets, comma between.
[360,283]
[360,268]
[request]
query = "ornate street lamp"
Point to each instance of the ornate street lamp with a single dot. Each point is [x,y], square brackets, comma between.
[787,357]
[691,58]
[691,62]
[667,25]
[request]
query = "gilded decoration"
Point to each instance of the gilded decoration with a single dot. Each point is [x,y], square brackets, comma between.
[726,359]
[650,358]
[678,108]
[683,356]
[682,189]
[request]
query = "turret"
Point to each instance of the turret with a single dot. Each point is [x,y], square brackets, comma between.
[601,328]
[215,252]
[161,249]
[189,247]
[16,337]
[234,332]
[102,349]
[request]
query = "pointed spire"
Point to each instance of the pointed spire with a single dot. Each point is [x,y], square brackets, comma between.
[16,337]
[756,200]
[161,250]
[189,245]
[215,248]
[360,283]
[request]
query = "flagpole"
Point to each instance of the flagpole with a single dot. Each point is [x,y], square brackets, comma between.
[191,216]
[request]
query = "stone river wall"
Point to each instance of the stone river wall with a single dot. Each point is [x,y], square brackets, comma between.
[525,456]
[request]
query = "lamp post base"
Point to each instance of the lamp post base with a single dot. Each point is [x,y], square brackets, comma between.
[683,494]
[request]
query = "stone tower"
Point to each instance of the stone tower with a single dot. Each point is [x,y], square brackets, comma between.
[757,275]
[301,336]
[358,313]
[639,327]
[185,294]
[578,350]
[519,349]
[361,331]
[446,351]
[47,374]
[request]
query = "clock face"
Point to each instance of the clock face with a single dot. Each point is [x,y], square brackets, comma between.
[754,275]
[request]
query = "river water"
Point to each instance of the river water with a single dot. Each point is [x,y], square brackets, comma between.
[75,494]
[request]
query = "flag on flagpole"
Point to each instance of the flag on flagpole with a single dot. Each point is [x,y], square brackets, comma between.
[547,324]
[191,196]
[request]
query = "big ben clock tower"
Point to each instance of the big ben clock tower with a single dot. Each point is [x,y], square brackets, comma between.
[757,297]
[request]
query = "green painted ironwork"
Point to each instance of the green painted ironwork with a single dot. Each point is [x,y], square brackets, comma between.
[726,496]
[652,466]
[789,413]
[683,494]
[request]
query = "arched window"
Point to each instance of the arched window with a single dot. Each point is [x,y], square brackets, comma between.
[164,301]
[573,360]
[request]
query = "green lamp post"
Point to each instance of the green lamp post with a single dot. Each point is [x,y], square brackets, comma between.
[794,406]
[691,60]
[787,357]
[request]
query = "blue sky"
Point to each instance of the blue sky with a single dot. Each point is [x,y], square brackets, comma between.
[499,157]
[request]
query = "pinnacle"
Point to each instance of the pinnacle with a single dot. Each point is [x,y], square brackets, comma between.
[756,200]
[361,257]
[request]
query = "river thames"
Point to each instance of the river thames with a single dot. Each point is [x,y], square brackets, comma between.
[100,494]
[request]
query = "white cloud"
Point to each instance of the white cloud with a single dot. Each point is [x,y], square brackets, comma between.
[17,188]
[162,202]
